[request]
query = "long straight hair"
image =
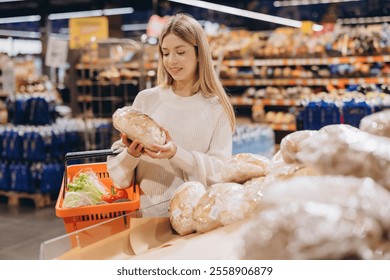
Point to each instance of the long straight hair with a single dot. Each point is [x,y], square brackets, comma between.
[208,83]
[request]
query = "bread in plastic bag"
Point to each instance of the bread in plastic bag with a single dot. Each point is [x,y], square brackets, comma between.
[377,123]
[345,150]
[244,166]
[136,125]
[291,144]
[182,204]
[224,204]
[321,217]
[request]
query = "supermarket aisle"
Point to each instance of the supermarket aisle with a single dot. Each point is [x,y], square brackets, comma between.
[24,228]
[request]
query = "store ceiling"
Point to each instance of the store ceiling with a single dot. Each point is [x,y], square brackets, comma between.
[317,13]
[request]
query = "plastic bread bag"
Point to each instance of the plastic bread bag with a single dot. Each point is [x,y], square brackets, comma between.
[224,204]
[136,125]
[377,123]
[298,231]
[280,170]
[345,150]
[291,144]
[242,167]
[181,206]
[322,217]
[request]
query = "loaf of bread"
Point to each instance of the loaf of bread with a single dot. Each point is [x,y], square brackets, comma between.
[243,167]
[224,204]
[346,150]
[290,145]
[181,206]
[377,123]
[136,125]
[321,217]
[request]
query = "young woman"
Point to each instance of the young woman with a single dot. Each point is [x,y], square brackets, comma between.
[193,109]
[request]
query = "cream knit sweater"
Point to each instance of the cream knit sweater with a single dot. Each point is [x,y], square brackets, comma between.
[201,131]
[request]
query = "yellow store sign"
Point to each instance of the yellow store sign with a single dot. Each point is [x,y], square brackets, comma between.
[84,31]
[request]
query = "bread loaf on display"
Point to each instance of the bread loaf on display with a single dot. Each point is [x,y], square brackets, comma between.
[224,204]
[243,167]
[321,217]
[377,123]
[346,150]
[182,204]
[291,144]
[136,125]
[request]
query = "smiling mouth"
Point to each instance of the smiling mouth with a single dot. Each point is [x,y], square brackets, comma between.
[175,70]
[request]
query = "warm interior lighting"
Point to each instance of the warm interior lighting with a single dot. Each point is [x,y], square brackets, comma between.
[367,20]
[245,13]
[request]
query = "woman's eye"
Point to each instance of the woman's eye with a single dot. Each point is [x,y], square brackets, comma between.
[165,54]
[181,53]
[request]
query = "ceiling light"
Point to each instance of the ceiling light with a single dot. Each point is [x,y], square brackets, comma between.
[92,13]
[5,1]
[20,19]
[21,34]
[118,11]
[244,13]
[134,27]
[308,2]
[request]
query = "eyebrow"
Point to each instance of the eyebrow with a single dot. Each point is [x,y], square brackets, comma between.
[180,46]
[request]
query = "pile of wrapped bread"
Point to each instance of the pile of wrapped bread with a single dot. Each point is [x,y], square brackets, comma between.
[324,195]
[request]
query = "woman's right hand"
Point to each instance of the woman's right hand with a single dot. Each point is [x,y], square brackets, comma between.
[134,148]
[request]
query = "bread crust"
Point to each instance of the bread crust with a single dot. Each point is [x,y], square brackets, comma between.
[136,125]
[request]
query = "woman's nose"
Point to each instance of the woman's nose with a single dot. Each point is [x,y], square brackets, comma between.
[172,59]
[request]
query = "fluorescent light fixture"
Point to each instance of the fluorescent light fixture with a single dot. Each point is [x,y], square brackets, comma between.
[92,13]
[118,11]
[18,33]
[20,19]
[5,1]
[245,13]
[308,2]
[351,21]
[134,27]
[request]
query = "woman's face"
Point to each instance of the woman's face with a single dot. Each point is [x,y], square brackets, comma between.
[179,58]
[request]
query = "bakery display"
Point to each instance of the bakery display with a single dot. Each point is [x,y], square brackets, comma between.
[224,204]
[346,150]
[181,206]
[137,125]
[377,123]
[292,144]
[324,217]
[244,166]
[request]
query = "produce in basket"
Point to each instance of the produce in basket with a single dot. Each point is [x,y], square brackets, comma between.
[136,125]
[84,190]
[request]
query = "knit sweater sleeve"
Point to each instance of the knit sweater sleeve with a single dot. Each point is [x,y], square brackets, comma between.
[203,167]
[121,167]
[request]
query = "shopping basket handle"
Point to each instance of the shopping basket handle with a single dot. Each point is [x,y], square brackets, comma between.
[84,155]
[88,154]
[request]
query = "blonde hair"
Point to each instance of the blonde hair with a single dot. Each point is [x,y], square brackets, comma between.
[208,83]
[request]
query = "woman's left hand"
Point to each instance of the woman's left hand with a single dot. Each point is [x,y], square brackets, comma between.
[168,150]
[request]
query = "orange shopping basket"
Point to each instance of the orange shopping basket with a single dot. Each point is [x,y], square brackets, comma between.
[86,216]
